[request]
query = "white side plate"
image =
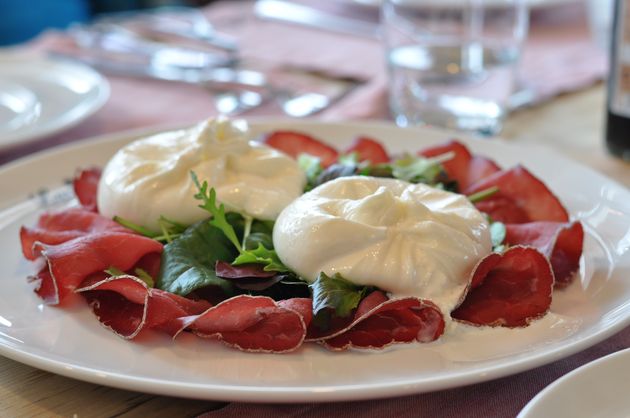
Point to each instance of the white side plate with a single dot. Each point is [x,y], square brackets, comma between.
[40,97]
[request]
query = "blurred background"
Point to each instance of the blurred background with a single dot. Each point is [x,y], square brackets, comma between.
[22,20]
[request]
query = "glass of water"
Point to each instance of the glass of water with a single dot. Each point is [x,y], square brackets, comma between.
[452,63]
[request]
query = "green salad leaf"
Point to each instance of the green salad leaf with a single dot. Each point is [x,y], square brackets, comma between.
[188,261]
[334,296]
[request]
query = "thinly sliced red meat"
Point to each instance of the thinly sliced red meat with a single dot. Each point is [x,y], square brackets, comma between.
[521,198]
[379,322]
[252,323]
[509,289]
[561,242]
[368,149]
[85,186]
[58,227]
[296,143]
[464,167]
[127,306]
[71,262]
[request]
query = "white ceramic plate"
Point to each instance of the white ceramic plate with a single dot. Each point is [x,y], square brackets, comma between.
[597,389]
[72,343]
[40,96]
[490,3]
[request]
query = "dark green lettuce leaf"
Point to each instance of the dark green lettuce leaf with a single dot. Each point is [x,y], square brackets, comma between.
[336,295]
[188,262]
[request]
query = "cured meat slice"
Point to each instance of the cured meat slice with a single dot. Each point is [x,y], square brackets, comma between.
[509,289]
[58,227]
[85,186]
[252,323]
[127,306]
[379,322]
[296,143]
[464,167]
[560,242]
[368,149]
[71,262]
[521,198]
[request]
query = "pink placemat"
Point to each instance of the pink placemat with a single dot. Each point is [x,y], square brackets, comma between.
[559,57]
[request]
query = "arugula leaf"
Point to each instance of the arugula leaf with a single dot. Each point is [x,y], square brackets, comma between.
[419,169]
[188,262]
[145,277]
[209,199]
[169,229]
[483,194]
[261,255]
[135,227]
[140,273]
[114,271]
[335,295]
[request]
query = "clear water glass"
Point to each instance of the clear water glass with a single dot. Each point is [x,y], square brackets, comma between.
[452,63]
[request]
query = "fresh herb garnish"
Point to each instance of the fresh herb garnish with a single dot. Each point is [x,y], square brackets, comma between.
[169,229]
[260,255]
[483,194]
[416,169]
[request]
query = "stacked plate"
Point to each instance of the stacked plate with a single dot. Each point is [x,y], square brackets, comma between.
[41,96]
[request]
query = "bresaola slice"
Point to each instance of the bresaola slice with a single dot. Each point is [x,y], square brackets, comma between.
[71,262]
[521,198]
[85,185]
[379,321]
[252,323]
[58,227]
[126,306]
[296,143]
[465,168]
[560,242]
[368,149]
[510,289]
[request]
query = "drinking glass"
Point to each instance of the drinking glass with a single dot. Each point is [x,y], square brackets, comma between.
[452,63]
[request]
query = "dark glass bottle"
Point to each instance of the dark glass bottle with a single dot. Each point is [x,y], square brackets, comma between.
[618,115]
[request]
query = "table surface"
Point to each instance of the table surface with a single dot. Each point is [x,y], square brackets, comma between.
[25,391]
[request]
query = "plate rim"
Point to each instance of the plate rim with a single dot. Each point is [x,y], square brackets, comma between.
[102,93]
[301,394]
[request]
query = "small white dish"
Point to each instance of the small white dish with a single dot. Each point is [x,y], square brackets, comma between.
[41,96]
[72,343]
[597,389]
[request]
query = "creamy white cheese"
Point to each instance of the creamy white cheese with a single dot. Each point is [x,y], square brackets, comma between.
[151,176]
[407,239]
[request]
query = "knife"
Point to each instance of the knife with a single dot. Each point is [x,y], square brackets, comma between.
[298,14]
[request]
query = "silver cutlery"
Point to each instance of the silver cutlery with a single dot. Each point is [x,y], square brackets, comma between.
[288,12]
[235,90]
